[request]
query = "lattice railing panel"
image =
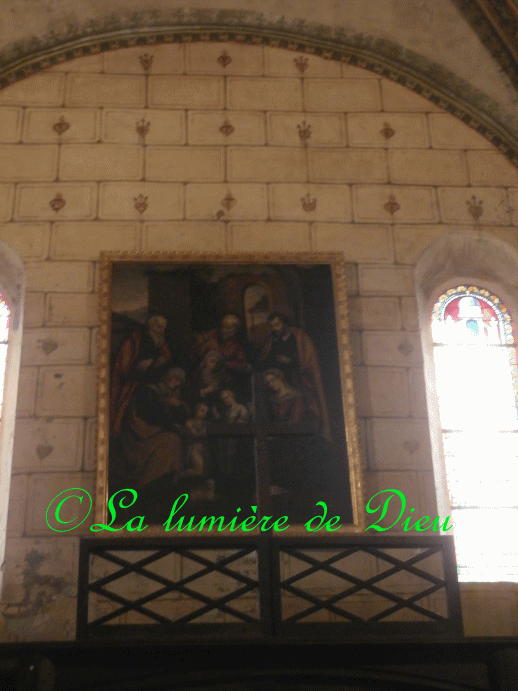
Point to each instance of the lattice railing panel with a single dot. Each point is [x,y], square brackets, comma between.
[259,587]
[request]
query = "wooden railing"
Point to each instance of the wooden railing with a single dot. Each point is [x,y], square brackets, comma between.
[259,588]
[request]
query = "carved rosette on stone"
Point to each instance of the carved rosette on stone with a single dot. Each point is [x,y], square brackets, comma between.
[475,207]
[142,128]
[387,131]
[61,126]
[57,203]
[304,132]
[224,59]
[308,203]
[391,206]
[226,128]
[146,61]
[140,203]
[301,63]
[229,201]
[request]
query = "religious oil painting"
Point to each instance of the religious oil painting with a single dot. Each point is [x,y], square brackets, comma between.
[227,378]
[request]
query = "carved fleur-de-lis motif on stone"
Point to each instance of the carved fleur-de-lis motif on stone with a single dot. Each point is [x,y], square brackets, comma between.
[47,345]
[61,126]
[301,63]
[140,203]
[146,61]
[411,445]
[475,207]
[44,450]
[143,128]
[387,131]
[405,348]
[304,131]
[391,206]
[308,203]
[224,59]
[226,128]
[229,201]
[57,203]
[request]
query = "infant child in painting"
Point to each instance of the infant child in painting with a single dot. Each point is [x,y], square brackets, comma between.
[197,451]
[235,412]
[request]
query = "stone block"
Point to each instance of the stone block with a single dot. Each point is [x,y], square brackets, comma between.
[55,346]
[401,99]
[356,348]
[10,124]
[379,203]
[27,383]
[71,309]
[85,240]
[45,202]
[41,491]
[204,127]
[283,63]
[401,349]
[164,126]
[186,92]
[28,162]
[105,90]
[399,445]
[448,132]
[48,445]
[374,313]
[140,201]
[406,130]
[491,168]
[223,58]
[167,58]
[40,90]
[264,93]
[94,346]
[382,391]
[324,130]
[353,72]
[6,202]
[409,311]
[266,164]
[389,280]
[269,236]
[410,242]
[33,310]
[17,506]
[357,243]
[226,202]
[62,277]
[29,240]
[427,493]
[429,167]
[184,236]
[88,63]
[83,125]
[101,162]
[351,278]
[185,164]
[67,391]
[310,202]
[489,205]
[348,165]
[341,95]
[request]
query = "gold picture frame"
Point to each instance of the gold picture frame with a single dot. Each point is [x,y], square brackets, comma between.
[217,378]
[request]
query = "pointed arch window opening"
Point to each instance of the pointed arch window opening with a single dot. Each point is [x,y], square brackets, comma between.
[476,378]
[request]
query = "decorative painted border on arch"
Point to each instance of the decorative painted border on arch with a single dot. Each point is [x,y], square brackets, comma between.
[389,60]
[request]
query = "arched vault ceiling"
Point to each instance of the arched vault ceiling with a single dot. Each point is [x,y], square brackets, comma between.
[447,50]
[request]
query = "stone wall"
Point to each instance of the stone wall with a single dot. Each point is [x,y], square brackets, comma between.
[316,156]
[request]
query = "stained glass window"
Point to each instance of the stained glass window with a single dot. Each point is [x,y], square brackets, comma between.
[474,346]
[5,316]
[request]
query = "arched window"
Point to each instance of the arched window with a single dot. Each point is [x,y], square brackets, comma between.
[476,377]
